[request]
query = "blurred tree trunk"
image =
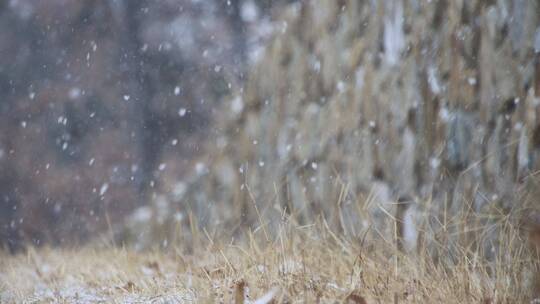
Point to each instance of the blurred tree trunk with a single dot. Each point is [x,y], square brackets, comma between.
[139,82]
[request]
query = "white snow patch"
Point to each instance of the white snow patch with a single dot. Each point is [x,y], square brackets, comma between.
[103,189]
[182,112]
[74,93]
[432,80]
[267,298]
[284,26]
[142,214]
[394,40]
[410,233]
[261,268]
[249,11]
[179,190]
[178,216]
[62,120]
[434,162]
[237,105]
[335,286]
[444,114]
[341,86]
[200,168]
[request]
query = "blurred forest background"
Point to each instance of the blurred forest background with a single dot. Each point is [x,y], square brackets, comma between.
[103,100]
[143,117]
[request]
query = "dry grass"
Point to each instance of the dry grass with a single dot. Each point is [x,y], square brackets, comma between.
[304,264]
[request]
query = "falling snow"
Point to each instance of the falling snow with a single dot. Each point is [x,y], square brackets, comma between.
[104,187]
[182,112]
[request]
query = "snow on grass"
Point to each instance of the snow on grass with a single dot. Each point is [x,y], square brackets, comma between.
[299,266]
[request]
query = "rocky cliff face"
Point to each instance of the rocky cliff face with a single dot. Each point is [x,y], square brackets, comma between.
[358,104]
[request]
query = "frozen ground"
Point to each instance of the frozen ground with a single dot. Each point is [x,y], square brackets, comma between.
[296,268]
